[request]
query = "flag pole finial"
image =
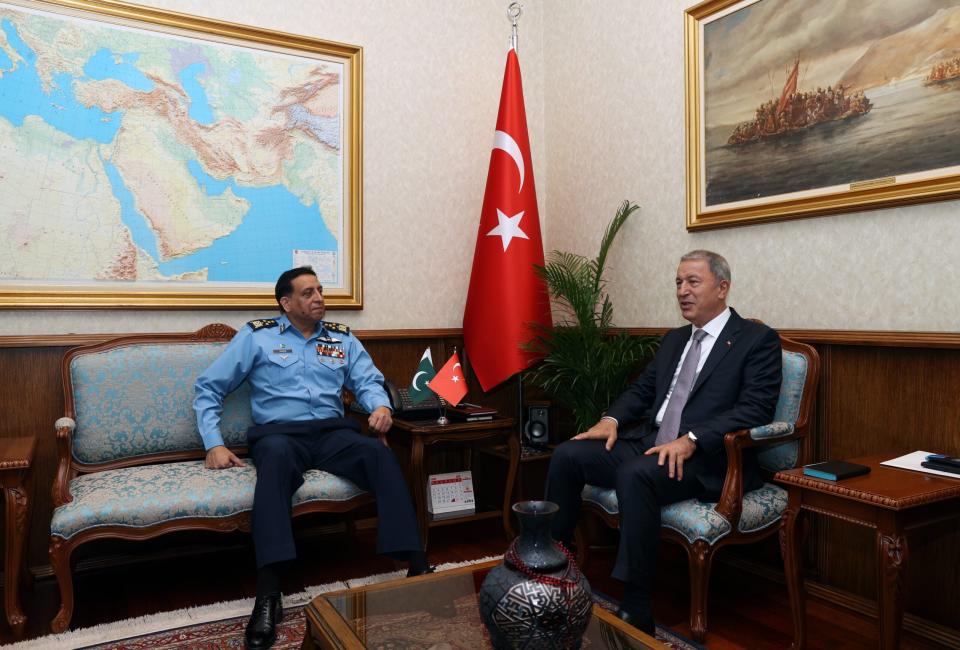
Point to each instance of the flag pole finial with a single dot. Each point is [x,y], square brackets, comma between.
[514,10]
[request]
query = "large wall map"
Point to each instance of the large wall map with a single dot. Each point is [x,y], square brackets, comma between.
[131,155]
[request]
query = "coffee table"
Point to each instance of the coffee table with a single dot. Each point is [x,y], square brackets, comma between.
[431,610]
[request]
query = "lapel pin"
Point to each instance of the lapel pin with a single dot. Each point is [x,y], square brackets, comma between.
[729,343]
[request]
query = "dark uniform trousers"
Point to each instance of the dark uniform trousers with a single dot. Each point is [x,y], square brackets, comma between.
[643,487]
[283,452]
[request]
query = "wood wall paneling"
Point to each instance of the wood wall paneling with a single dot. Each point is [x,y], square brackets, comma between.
[31,400]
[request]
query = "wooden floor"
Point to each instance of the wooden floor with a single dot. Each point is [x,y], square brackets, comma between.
[745,611]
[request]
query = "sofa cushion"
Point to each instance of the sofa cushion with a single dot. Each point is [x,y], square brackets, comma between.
[146,495]
[136,400]
[697,520]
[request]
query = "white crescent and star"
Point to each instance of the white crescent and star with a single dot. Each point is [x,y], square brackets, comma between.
[414,382]
[503,141]
[507,228]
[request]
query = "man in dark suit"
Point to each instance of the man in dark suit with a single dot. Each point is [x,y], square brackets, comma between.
[661,441]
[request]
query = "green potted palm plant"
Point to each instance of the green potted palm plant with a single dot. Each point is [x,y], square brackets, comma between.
[587,362]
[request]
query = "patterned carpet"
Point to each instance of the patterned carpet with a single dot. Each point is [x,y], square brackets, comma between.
[228,633]
[222,626]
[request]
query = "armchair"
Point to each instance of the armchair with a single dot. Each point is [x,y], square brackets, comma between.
[738,518]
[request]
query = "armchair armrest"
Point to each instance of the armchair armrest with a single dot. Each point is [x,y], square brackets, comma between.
[772,431]
[61,482]
[731,498]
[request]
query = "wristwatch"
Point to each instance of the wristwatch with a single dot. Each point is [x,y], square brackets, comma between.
[693,438]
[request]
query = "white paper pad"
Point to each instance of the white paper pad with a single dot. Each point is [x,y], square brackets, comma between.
[912,461]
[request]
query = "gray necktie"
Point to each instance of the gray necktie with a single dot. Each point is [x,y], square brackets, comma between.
[670,425]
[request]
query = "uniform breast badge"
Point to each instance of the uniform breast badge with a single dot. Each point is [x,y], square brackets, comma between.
[331,352]
[283,351]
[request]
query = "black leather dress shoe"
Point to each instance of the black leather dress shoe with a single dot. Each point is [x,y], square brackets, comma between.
[262,626]
[419,572]
[642,623]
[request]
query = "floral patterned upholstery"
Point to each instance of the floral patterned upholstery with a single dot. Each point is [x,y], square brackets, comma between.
[784,456]
[697,520]
[761,507]
[138,399]
[142,496]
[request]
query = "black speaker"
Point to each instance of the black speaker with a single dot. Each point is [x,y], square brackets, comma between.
[536,431]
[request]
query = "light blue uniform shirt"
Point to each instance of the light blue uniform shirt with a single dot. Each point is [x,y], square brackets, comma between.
[291,379]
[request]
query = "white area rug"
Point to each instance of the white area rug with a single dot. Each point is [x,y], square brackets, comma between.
[126,629]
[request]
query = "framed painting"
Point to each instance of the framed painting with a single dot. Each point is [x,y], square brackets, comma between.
[150,159]
[799,108]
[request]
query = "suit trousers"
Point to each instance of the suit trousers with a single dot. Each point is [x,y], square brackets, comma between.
[643,487]
[281,459]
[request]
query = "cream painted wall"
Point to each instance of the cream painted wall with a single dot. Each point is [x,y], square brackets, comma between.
[432,77]
[604,90]
[614,83]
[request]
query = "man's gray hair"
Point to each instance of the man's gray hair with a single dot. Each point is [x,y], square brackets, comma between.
[718,265]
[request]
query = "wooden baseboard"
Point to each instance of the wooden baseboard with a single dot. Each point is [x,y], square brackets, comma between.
[916,625]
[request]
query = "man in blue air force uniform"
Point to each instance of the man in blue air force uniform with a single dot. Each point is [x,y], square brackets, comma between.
[297,366]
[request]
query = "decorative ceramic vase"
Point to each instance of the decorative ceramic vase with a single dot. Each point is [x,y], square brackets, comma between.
[537,598]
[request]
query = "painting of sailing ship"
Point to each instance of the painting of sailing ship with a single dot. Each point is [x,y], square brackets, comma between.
[806,97]
[800,110]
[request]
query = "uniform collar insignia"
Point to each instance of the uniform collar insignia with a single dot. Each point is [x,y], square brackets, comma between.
[261,323]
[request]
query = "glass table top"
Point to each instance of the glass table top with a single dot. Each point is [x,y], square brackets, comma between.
[441,612]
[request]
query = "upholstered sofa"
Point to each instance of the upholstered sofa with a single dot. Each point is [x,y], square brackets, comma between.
[130,459]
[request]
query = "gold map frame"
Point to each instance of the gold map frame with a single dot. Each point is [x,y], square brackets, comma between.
[166,295]
[881,192]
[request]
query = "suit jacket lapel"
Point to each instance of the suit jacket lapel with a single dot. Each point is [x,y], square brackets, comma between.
[724,343]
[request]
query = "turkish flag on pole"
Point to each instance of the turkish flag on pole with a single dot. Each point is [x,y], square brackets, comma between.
[449,382]
[506,295]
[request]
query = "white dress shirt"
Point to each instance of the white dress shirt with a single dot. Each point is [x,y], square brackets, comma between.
[713,329]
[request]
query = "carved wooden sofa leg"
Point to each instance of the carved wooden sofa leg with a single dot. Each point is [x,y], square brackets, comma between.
[583,550]
[60,552]
[701,559]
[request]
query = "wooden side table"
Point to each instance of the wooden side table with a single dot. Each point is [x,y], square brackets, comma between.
[531,477]
[889,500]
[420,435]
[16,456]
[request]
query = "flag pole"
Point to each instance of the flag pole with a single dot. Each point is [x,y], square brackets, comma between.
[442,404]
[514,10]
[520,407]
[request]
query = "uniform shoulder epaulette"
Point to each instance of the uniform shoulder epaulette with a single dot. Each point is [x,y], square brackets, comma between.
[336,327]
[261,323]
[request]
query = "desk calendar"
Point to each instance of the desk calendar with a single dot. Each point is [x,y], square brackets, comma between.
[450,495]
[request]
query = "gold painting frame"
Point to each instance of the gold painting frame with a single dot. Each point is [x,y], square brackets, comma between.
[858,194]
[346,293]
